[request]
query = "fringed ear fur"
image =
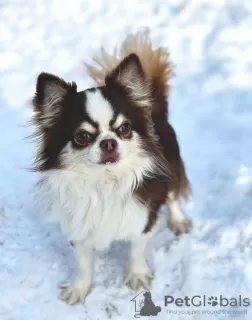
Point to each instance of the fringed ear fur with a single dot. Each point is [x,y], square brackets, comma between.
[47,102]
[129,74]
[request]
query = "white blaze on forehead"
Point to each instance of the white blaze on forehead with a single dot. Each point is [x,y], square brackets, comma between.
[99,109]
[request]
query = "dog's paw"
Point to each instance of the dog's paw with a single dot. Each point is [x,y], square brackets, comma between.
[73,293]
[180,226]
[137,280]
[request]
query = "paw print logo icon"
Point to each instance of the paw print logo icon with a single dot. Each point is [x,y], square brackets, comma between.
[213,301]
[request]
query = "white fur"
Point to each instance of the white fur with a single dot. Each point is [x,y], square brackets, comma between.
[176,214]
[138,273]
[96,205]
[79,289]
[88,127]
[99,109]
[178,223]
[119,120]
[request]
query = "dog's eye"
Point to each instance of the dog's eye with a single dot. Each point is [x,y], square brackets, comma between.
[82,138]
[124,129]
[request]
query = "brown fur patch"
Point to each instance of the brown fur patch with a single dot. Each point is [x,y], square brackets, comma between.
[155,62]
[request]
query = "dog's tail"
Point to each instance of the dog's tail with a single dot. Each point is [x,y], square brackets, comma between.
[155,63]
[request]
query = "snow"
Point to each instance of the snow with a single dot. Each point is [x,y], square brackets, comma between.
[210,106]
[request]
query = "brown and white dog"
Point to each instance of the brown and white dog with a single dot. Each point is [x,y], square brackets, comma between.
[109,158]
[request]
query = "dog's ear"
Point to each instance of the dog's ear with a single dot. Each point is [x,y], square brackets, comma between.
[130,74]
[49,97]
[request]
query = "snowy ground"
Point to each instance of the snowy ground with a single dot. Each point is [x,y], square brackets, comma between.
[211,108]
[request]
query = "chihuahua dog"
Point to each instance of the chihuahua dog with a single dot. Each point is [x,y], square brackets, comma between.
[109,159]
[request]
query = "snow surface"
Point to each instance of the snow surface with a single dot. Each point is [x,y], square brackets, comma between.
[210,42]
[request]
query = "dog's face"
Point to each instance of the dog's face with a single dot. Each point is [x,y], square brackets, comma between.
[108,126]
[105,136]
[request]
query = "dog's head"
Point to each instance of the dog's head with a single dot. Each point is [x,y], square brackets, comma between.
[107,127]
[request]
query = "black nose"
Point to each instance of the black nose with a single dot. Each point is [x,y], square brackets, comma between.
[108,145]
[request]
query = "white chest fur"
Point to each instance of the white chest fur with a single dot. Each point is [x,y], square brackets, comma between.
[95,211]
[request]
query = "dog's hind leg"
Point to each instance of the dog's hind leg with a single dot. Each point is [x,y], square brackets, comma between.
[177,221]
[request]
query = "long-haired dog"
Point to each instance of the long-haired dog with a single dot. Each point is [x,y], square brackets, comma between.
[109,158]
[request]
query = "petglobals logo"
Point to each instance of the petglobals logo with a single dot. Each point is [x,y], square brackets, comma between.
[144,305]
[205,301]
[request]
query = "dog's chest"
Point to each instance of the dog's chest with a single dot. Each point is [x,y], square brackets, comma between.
[99,213]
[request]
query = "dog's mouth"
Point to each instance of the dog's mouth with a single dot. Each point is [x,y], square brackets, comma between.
[109,159]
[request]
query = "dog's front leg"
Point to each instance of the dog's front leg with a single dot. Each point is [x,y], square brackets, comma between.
[77,291]
[138,273]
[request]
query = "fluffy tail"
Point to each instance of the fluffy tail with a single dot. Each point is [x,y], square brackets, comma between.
[155,62]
